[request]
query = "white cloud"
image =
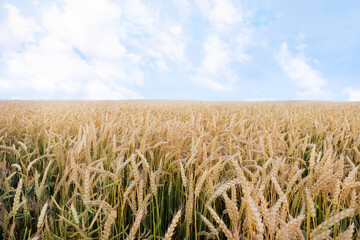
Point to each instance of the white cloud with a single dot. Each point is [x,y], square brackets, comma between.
[225,45]
[214,72]
[96,90]
[221,82]
[217,54]
[176,30]
[224,12]
[243,40]
[227,18]
[80,41]
[162,65]
[43,67]
[221,13]
[110,44]
[153,33]
[77,41]
[353,94]
[4,84]
[16,30]
[182,5]
[302,74]
[138,17]
[300,41]
[93,31]
[313,92]
[170,46]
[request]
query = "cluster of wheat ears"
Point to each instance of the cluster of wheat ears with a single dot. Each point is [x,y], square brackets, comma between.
[179,170]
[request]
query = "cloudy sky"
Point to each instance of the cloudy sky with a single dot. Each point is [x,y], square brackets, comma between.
[180,49]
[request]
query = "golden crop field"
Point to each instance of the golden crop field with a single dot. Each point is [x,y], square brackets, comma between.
[179,170]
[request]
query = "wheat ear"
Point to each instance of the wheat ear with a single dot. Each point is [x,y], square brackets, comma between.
[170,231]
[221,223]
[109,221]
[42,216]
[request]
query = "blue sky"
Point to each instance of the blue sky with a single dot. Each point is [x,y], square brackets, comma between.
[180,49]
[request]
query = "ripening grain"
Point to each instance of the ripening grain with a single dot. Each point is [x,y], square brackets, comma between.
[179,170]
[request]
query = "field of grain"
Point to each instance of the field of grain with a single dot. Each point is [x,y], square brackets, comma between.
[179,170]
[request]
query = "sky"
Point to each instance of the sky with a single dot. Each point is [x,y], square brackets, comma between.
[213,50]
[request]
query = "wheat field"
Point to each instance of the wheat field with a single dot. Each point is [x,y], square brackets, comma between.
[179,170]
